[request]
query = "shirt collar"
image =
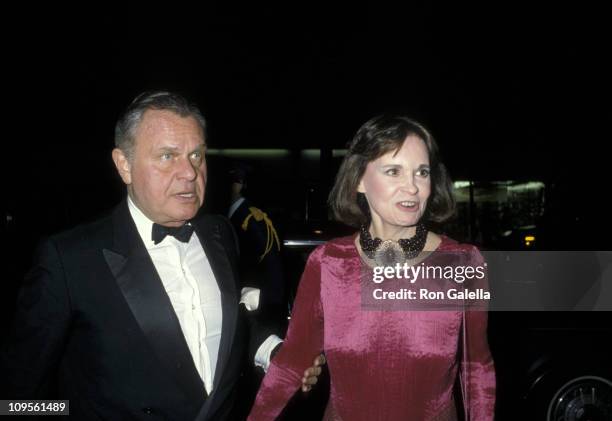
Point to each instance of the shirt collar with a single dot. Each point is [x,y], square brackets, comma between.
[235,206]
[143,224]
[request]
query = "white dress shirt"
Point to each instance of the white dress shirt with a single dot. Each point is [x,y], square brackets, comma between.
[189,281]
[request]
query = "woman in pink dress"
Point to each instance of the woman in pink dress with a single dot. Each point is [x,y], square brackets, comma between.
[384,365]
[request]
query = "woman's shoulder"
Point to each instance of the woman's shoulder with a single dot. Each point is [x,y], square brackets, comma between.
[341,247]
[345,241]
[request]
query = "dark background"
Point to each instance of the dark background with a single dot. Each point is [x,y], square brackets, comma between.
[511,92]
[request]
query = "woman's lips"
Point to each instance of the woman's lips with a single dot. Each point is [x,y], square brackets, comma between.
[408,206]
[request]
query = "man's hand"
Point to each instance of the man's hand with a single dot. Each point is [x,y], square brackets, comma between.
[311,375]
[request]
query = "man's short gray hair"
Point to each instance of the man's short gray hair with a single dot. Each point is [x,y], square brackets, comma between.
[152,100]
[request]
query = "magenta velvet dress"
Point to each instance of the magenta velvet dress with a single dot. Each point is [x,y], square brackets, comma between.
[384,365]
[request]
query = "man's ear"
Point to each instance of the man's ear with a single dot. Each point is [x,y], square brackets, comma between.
[123,166]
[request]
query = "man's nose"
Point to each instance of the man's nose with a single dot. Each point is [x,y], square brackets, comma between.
[186,169]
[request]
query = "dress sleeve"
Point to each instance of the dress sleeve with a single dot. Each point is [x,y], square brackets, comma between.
[304,341]
[477,367]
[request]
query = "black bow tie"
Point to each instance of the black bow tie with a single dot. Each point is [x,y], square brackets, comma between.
[182,233]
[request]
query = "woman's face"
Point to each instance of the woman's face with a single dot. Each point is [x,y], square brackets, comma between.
[397,186]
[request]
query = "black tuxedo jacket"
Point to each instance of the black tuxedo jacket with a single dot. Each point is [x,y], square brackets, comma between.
[94,325]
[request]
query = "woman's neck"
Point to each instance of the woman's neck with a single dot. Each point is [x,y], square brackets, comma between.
[385,232]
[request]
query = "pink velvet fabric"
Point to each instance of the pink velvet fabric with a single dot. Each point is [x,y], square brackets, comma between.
[384,365]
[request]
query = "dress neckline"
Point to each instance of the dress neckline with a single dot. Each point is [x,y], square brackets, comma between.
[444,240]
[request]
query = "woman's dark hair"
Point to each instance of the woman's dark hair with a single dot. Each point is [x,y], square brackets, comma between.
[378,136]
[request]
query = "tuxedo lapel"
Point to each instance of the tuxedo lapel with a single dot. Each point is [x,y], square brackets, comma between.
[144,293]
[209,235]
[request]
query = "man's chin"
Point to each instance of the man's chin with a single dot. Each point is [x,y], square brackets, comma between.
[185,213]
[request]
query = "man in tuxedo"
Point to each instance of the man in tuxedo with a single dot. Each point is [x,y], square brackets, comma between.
[137,315]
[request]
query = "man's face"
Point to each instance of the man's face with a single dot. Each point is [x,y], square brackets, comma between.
[166,176]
